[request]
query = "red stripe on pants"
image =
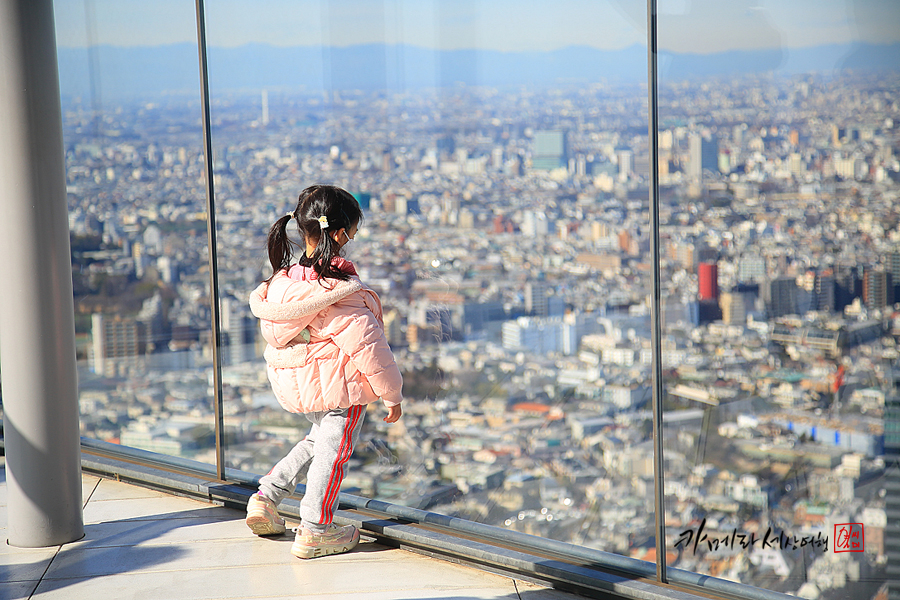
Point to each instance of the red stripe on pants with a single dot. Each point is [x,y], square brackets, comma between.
[337,470]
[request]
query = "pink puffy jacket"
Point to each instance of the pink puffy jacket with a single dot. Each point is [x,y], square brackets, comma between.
[326,343]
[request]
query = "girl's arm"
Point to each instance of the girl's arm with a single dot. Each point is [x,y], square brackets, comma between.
[358,333]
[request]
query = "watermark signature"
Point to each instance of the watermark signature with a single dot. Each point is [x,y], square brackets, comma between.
[735,539]
[849,537]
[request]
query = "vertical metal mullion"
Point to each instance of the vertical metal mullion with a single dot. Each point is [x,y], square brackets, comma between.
[218,409]
[656,298]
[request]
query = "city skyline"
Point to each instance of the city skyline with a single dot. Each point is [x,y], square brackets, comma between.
[507,234]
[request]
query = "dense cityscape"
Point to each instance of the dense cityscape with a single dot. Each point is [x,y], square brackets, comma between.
[508,234]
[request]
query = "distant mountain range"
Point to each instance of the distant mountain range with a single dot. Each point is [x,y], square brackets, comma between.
[151,71]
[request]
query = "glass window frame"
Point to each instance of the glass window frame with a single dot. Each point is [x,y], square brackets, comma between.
[664,575]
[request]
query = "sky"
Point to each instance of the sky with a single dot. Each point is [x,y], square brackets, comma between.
[696,26]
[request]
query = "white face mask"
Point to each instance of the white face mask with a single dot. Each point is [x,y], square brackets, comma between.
[349,239]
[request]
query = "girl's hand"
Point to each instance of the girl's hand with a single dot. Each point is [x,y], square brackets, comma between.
[394,413]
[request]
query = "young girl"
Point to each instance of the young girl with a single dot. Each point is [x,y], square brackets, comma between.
[327,357]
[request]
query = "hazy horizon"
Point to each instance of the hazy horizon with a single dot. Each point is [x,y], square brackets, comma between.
[684,26]
[642,45]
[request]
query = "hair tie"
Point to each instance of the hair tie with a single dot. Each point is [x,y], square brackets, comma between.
[323,222]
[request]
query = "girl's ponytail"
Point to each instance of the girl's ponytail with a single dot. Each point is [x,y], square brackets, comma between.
[279,245]
[323,256]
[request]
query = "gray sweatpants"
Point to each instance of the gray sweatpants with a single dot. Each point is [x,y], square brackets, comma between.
[322,457]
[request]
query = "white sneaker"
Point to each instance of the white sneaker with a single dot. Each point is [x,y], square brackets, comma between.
[335,540]
[262,516]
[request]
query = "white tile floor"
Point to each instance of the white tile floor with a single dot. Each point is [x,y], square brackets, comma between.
[149,545]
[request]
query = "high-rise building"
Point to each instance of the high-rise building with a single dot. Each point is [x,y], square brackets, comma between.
[704,311]
[708,279]
[824,292]
[393,329]
[539,335]
[624,239]
[549,150]
[795,164]
[117,342]
[168,269]
[477,315]
[703,155]
[892,487]
[725,161]
[684,254]
[893,268]
[626,164]
[780,296]
[238,328]
[536,224]
[752,268]
[737,134]
[536,298]
[735,307]
[878,289]
[847,287]
[139,255]
[744,302]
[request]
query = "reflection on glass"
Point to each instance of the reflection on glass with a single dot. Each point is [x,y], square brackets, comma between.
[506,230]
[136,201]
[780,257]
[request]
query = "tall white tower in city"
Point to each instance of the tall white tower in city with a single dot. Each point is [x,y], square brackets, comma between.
[703,155]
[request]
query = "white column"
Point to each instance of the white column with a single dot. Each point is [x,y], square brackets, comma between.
[37,325]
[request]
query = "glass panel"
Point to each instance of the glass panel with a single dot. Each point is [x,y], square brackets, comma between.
[129,83]
[780,254]
[499,152]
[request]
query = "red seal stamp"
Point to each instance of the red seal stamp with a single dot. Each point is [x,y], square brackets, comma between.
[849,537]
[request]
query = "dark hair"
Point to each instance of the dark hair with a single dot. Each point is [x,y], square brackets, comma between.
[340,209]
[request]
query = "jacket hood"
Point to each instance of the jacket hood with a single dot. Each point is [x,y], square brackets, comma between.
[285,299]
